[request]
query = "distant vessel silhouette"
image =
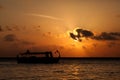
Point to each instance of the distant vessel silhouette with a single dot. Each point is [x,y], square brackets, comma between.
[38,57]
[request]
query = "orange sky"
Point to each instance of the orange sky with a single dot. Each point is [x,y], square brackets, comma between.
[42,25]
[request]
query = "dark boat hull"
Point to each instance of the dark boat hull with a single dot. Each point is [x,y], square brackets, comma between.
[37,60]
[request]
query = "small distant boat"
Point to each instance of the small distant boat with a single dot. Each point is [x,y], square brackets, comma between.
[38,57]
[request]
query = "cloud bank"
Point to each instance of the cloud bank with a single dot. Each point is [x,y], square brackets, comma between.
[14,38]
[108,36]
[10,38]
[103,36]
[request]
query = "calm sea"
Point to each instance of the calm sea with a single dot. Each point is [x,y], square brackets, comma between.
[73,69]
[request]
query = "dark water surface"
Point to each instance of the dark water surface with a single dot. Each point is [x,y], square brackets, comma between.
[73,69]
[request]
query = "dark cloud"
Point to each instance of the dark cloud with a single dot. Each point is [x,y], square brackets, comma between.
[89,34]
[94,45]
[115,33]
[73,36]
[113,44]
[47,34]
[17,28]
[84,47]
[10,38]
[37,28]
[108,36]
[12,28]
[13,38]
[9,28]
[81,33]
[27,43]
[84,33]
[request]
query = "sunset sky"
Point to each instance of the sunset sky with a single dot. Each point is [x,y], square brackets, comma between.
[77,28]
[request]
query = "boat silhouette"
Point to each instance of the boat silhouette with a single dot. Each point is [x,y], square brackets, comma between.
[38,57]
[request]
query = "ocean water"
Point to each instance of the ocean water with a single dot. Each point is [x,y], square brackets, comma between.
[64,70]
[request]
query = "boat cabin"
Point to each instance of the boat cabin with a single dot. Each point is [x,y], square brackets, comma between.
[37,57]
[37,54]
